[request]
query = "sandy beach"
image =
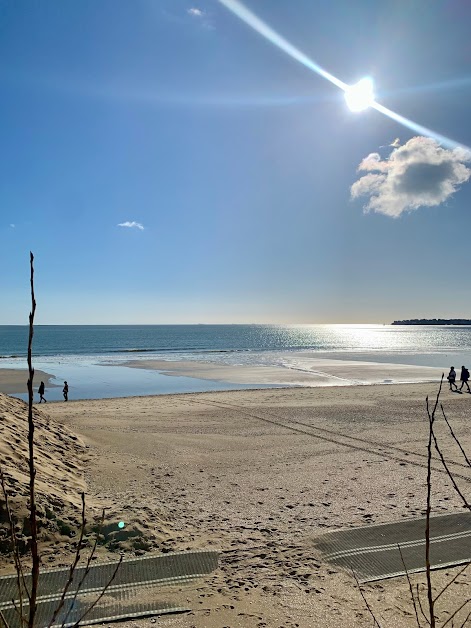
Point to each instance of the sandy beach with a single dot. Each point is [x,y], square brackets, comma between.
[233,472]
[300,369]
[15,380]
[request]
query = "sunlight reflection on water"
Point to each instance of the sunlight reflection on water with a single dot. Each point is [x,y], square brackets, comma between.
[84,355]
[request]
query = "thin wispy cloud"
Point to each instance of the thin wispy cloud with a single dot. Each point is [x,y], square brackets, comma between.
[203,17]
[132,225]
[195,12]
[12,225]
[418,174]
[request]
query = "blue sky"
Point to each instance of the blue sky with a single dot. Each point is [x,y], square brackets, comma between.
[237,161]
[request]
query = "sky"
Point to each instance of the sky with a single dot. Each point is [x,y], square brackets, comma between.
[166,163]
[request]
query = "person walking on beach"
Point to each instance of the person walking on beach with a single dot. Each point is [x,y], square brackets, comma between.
[41,392]
[451,378]
[65,391]
[464,377]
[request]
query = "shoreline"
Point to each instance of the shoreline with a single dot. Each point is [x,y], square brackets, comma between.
[249,390]
[151,376]
[226,390]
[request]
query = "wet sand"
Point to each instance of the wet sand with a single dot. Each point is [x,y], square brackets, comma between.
[299,370]
[14,381]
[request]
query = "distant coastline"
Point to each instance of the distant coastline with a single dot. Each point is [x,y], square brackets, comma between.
[433,321]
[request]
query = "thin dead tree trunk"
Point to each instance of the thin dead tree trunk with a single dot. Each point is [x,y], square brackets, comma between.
[32,470]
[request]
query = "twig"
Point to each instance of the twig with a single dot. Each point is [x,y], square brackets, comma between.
[17,611]
[438,396]
[375,621]
[4,621]
[32,470]
[87,568]
[103,593]
[466,619]
[410,587]
[449,473]
[456,612]
[432,436]
[455,437]
[73,565]
[20,577]
[420,605]
[452,580]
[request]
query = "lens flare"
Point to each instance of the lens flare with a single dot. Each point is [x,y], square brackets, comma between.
[277,40]
[360,96]
[238,9]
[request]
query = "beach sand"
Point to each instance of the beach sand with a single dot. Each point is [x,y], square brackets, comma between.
[60,457]
[234,472]
[229,471]
[15,380]
[300,369]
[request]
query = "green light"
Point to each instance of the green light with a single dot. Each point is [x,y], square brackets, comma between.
[121,525]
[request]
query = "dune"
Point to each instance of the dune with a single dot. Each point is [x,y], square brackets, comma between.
[59,458]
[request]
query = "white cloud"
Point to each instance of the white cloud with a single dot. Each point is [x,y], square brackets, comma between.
[131,225]
[418,174]
[195,12]
[396,143]
[204,18]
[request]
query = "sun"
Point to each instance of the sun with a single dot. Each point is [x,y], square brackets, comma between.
[360,96]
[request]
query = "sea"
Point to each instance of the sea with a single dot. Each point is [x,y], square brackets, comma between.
[92,357]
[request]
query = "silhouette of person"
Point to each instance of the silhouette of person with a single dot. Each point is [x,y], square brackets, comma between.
[65,391]
[464,378]
[41,392]
[452,377]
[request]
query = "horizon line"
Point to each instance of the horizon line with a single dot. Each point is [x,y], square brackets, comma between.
[213,324]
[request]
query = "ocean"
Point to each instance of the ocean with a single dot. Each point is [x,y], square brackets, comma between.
[91,357]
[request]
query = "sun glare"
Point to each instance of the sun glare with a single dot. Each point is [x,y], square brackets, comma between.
[360,96]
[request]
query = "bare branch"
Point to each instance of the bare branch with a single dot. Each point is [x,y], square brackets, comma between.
[437,397]
[103,593]
[466,619]
[17,611]
[32,470]
[455,437]
[456,612]
[73,565]
[20,578]
[410,586]
[375,621]
[87,567]
[432,437]
[3,620]
[449,473]
[420,605]
[452,580]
